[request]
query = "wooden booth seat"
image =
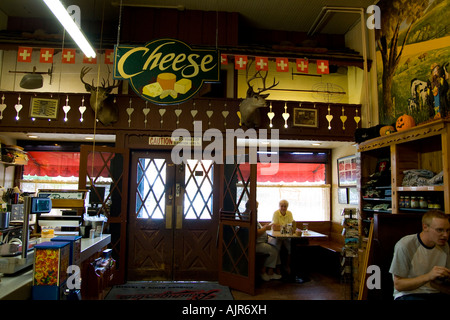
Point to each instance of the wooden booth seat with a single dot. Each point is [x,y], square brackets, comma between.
[323,254]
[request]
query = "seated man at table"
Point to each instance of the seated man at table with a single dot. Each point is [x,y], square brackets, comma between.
[282,217]
[421,258]
[262,246]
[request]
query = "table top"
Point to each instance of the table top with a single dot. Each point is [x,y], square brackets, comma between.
[308,234]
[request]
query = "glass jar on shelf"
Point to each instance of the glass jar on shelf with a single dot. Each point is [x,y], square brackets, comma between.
[414,203]
[401,203]
[423,204]
[407,202]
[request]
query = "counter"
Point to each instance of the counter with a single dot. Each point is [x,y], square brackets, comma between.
[18,286]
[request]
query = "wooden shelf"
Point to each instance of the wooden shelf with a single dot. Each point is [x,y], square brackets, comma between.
[421,188]
[378,199]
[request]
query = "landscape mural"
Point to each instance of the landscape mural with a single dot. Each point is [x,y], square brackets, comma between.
[413,60]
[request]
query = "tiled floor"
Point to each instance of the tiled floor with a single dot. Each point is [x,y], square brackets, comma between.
[321,287]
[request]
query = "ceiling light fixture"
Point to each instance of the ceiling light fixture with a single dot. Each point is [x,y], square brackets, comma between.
[64,18]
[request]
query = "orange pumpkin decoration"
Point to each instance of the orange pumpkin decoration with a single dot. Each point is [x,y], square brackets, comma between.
[386,130]
[405,122]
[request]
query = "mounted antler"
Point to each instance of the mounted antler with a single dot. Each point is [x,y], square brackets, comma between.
[258,75]
[107,110]
[248,108]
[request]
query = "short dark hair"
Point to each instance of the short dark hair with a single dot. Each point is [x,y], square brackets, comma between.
[429,215]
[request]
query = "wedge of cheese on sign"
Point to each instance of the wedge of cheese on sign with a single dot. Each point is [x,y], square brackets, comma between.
[166,80]
[166,93]
[183,85]
[153,89]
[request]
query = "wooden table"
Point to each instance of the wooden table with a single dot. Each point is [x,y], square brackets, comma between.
[300,275]
[308,235]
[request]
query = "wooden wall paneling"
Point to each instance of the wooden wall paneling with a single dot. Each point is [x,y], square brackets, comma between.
[165,23]
[202,105]
[194,26]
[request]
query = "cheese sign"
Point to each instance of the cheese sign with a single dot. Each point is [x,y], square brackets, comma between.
[166,71]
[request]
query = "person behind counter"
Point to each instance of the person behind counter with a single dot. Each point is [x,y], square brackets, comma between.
[421,258]
[282,217]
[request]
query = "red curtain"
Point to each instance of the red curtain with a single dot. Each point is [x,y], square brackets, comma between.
[288,172]
[52,164]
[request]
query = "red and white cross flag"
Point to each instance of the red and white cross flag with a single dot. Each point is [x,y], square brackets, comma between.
[24,54]
[322,67]
[46,55]
[68,56]
[240,62]
[282,64]
[89,60]
[223,59]
[109,56]
[262,63]
[302,65]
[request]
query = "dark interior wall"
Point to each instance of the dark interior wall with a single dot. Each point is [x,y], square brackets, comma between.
[140,25]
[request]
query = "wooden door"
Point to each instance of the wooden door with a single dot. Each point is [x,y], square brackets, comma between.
[172,229]
[237,236]
[103,167]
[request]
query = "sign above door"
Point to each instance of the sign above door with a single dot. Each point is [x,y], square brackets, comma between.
[166,71]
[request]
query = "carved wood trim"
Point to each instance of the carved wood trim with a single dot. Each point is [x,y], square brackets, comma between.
[419,132]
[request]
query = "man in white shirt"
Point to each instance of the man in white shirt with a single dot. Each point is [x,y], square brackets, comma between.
[421,258]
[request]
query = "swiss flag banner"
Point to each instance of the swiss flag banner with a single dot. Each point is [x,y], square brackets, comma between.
[240,62]
[262,63]
[223,59]
[302,65]
[24,54]
[322,67]
[282,64]
[109,56]
[89,60]
[46,55]
[68,56]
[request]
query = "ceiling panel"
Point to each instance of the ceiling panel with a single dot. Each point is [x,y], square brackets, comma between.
[290,15]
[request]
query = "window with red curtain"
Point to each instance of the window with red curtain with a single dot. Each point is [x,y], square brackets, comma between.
[52,164]
[289,172]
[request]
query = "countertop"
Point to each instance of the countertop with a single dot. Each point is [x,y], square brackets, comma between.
[18,285]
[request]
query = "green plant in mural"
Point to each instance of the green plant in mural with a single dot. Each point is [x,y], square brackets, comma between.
[394,14]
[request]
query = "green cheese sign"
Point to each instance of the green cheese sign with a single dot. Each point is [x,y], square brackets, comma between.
[166,71]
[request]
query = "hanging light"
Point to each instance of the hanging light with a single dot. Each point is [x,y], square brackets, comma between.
[271,114]
[285,115]
[64,18]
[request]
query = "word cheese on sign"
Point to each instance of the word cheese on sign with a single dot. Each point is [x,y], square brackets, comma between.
[166,71]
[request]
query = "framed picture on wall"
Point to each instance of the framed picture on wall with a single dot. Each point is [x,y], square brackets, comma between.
[347,171]
[44,108]
[305,118]
[342,195]
[353,196]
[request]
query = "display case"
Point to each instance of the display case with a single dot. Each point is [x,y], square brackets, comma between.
[51,260]
[419,160]
[75,248]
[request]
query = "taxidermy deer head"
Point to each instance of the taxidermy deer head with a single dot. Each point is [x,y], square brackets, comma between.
[249,108]
[101,102]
